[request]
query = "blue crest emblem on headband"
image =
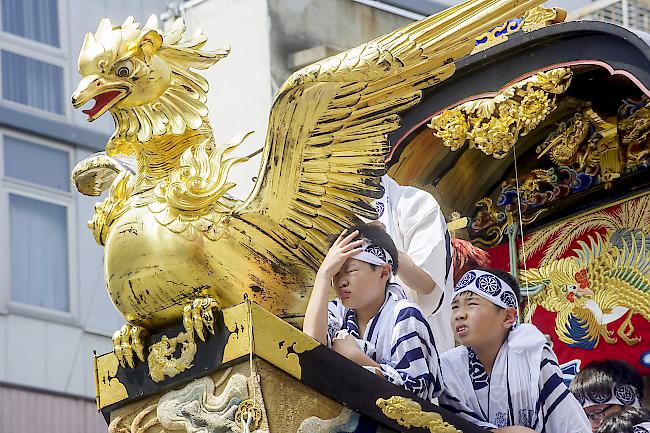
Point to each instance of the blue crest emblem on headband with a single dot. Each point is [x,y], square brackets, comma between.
[376,251]
[509,299]
[379,207]
[625,393]
[600,397]
[489,284]
[465,281]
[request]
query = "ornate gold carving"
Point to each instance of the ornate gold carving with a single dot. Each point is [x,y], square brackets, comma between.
[408,413]
[634,132]
[541,16]
[109,388]
[497,35]
[127,341]
[563,143]
[191,200]
[143,77]
[96,173]
[494,222]
[605,141]
[161,360]
[199,315]
[494,125]
[533,19]
[452,127]
[246,410]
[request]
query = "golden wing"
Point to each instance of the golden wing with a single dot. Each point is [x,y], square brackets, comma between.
[328,127]
[578,328]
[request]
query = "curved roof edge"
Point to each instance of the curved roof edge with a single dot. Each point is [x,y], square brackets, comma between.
[615,48]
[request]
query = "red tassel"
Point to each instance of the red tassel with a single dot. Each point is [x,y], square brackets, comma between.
[466,256]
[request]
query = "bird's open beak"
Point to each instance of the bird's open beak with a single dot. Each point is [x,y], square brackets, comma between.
[105,95]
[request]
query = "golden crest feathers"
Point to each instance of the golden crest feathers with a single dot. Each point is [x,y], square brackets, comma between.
[182,105]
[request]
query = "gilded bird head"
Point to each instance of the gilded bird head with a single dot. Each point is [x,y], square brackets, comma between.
[142,77]
[121,68]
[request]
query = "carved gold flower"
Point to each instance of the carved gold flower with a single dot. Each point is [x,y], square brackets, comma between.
[452,127]
[495,137]
[533,109]
[554,81]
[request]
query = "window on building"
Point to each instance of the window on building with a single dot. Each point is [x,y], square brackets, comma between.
[32,82]
[37,20]
[37,164]
[38,253]
[33,65]
[36,189]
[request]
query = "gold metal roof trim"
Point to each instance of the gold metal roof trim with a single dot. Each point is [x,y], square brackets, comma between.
[534,19]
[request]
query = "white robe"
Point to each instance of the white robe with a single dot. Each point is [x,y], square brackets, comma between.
[525,387]
[416,224]
[398,338]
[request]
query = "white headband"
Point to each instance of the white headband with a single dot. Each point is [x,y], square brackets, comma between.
[644,427]
[488,286]
[621,394]
[373,254]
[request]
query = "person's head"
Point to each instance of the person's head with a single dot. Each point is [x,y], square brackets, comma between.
[628,420]
[606,387]
[363,278]
[484,307]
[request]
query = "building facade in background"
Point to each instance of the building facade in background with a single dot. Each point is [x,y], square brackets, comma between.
[631,14]
[54,310]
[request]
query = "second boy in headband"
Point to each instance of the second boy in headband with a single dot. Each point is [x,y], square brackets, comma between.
[504,375]
[370,322]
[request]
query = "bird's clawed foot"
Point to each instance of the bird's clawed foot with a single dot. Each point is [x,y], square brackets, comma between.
[127,341]
[199,315]
[607,335]
[626,330]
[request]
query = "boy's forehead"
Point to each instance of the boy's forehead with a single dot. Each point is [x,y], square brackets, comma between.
[352,262]
[467,295]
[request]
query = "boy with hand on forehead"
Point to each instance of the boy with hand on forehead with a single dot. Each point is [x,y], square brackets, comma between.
[370,322]
[504,376]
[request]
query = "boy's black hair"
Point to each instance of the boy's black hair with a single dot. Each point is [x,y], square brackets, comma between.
[377,236]
[599,377]
[624,421]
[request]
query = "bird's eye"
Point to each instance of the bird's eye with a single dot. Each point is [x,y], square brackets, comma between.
[124,69]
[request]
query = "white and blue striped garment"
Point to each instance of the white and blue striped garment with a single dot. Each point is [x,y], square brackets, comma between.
[398,338]
[525,387]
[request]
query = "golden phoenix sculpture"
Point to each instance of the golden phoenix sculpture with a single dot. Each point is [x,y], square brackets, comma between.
[176,244]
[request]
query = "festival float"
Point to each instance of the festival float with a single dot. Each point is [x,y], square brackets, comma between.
[532,131]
